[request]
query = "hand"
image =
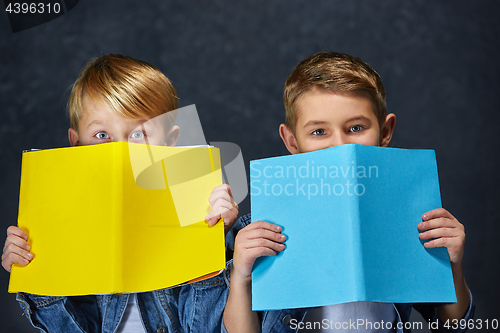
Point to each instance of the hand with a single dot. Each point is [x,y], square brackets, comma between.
[444,230]
[16,249]
[223,206]
[255,240]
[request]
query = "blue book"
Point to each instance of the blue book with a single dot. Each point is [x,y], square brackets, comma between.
[350,214]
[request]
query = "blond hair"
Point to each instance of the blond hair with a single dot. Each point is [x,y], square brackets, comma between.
[336,72]
[132,88]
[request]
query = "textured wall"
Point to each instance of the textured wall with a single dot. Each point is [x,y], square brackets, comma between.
[437,60]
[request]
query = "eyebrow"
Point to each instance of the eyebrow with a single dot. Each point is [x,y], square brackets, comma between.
[323,122]
[315,123]
[138,123]
[94,122]
[358,118]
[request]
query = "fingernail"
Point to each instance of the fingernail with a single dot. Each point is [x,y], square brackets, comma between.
[28,248]
[282,237]
[424,216]
[30,255]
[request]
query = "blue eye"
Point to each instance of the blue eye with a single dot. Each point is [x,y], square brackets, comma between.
[318,132]
[356,128]
[137,135]
[102,135]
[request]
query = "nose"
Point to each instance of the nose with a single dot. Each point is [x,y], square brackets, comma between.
[338,139]
[119,138]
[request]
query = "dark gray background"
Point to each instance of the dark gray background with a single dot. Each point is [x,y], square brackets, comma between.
[438,61]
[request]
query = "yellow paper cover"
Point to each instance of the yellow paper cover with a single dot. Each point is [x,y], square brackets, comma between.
[107,219]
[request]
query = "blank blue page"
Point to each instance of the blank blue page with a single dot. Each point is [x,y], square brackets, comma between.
[296,193]
[397,267]
[350,214]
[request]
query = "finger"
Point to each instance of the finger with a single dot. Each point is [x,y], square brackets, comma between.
[256,234]
[222,205]
[221,202]
[225,188]
[261,225]
[220,192]
[249,252]
[214,220]
[454,245]
[223,209]
[214,216]
[265,243]
[439,232]
[17,241]
[13,230]
[440,223]
[436,213]
[12,249]
[13,258]
[229,216]
[222,187]
[441,242]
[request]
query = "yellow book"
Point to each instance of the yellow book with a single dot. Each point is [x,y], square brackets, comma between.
[117,217]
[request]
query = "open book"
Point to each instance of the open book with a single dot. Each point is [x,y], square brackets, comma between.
[350,214]
[117,217]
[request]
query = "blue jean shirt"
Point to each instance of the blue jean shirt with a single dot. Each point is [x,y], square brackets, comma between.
[191,308]
[285,321]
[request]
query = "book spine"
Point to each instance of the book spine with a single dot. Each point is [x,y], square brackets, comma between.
[118,160]
[351,163]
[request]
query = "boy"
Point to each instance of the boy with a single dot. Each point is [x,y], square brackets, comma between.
[332,99]
[111,99]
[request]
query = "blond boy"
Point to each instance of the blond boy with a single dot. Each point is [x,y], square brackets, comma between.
[111,100]
[333,99]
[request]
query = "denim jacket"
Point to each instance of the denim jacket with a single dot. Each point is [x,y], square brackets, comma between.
[195,307]
[287,320]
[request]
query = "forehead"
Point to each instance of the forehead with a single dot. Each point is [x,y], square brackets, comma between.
[96,112]
[332,107]
[95,107]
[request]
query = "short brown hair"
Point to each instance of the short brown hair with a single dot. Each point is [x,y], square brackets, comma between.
[133,88]
[333,71]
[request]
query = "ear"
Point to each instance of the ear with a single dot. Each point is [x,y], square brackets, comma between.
[387,129]
[289,139]
[173,136]
[74,139]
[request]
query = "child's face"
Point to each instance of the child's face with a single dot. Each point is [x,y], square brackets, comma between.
[101,124]
[326,119]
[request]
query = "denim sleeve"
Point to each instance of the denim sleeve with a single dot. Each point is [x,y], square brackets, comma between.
[61,314]
[430,313]
[202,303]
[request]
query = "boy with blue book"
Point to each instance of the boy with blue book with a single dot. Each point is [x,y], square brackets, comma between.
[333,99]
